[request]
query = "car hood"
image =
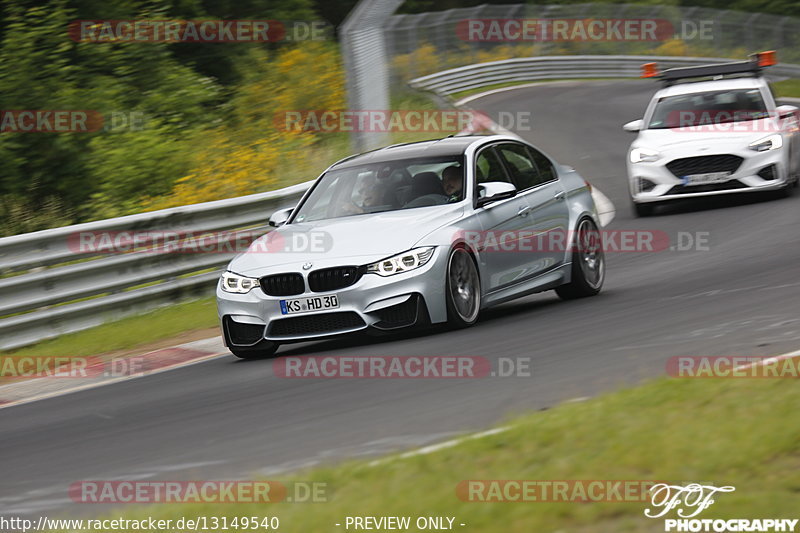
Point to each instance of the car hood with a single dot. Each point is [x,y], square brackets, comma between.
[358,239]
[739,135]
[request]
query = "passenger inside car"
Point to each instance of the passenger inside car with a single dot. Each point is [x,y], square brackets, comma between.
[453,182]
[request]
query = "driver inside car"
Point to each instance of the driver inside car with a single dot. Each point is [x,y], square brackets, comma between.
[372,192]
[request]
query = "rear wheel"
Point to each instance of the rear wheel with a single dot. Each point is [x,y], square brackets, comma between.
[463,292]
[263,351]
[588,263]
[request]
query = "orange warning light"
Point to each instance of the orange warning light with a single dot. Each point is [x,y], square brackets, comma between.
[767,59]
[649,70]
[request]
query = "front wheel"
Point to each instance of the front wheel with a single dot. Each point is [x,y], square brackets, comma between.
[463,290]
[643,210]
[263,351]
[588,263]
[788,190]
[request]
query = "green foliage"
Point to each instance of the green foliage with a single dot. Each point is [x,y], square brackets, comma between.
[90,175]
[174,91]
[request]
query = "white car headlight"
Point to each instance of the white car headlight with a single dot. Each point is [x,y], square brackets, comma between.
[772,142]
[238,284]
[644,155]
[401,262]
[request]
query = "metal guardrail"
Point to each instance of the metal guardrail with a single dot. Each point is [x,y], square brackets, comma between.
[460,79]
[51,285]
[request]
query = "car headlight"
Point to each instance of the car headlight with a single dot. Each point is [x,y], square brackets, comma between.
[644,155]
[238,284]
[401,262]
[772,142]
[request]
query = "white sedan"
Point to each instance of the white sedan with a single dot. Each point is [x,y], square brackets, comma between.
[710,137]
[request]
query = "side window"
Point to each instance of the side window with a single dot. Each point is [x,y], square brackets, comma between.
[547,171]
[489,168]
[521,166]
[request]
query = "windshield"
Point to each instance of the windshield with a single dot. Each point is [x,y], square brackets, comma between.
[387,186]
[712,107]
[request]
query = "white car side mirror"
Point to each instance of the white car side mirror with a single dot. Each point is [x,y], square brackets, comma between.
[494,191]
[280,217]
[633,126]
[786,110]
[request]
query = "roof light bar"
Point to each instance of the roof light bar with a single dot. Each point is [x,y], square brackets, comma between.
[752,66]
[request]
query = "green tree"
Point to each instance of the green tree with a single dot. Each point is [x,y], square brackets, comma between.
[42,69]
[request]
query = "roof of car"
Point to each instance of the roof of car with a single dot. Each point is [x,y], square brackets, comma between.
[449,146]
[749,82]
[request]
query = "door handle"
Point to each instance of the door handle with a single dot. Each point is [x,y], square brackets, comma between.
[523,211]
[559,195]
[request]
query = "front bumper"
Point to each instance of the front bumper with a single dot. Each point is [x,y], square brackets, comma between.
[758,171]
[373,302]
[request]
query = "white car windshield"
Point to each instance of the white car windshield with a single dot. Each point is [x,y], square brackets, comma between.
[711,107]
[385,186]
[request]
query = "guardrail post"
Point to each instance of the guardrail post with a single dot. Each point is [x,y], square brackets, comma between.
[365,63]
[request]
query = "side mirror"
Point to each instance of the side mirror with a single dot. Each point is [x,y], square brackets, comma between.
[493,191]
[633,126]
[786,110]
[280,217]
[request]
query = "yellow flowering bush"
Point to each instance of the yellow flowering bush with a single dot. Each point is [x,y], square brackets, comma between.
[672,47]
[251,152]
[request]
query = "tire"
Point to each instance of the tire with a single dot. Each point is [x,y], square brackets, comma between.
[264,350]
[588,263]
[643,210]
[463,289]
[793,181]
[788,191]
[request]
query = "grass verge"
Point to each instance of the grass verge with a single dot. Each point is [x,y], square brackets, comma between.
[787,88]
[724,432]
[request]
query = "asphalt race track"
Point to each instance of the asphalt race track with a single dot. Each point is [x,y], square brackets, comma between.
[225,419]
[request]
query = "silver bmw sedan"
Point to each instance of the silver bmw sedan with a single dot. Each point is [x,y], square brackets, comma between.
[421,233]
